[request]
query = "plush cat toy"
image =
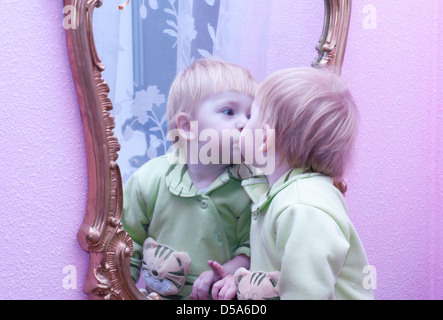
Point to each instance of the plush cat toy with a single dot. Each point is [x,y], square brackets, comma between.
[164,269]
[257,285]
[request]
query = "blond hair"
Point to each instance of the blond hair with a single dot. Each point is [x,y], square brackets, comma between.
[314,117]
[203,78]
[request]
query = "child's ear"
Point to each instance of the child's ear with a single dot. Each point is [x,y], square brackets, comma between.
[183,123]
[268,138]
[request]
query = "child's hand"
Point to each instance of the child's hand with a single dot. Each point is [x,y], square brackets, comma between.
[208,282]
[226,288]
[218,270]
[201,289]
[202,286]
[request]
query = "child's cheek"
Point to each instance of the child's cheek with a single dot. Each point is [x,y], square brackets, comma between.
[246,141]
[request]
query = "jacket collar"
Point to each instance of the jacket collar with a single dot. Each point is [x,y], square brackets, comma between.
[179,183]
[286,179]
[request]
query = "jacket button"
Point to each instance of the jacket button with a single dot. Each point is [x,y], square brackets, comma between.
[204,204]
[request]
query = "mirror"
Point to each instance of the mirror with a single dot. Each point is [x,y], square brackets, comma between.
[101,233]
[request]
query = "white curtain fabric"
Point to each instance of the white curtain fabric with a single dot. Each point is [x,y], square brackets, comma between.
[146,44]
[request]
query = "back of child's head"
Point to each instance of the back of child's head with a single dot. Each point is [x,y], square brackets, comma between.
[314,117]
[203,78]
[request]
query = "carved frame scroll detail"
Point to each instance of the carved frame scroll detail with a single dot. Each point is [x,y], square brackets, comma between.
[332,44]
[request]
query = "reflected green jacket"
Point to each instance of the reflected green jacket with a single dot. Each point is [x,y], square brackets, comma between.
[301,228]
[160,201]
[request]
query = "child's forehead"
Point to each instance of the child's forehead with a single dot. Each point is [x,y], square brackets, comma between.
[228,95]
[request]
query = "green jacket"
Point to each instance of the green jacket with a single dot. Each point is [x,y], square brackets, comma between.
[161,202]
[301,228]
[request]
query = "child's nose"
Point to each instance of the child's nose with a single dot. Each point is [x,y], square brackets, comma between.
[242,123]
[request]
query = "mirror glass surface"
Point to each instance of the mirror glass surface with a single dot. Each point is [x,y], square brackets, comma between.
[142,48]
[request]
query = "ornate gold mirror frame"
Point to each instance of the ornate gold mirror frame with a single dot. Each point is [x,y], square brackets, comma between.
[101,233]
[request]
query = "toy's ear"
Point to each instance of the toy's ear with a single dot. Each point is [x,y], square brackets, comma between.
[273,277]
[240,273]
[149,243]
[184,260]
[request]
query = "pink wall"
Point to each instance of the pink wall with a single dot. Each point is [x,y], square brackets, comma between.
[42,156]
[395,190]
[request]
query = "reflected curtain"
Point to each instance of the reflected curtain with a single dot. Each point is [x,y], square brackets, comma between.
[146,44]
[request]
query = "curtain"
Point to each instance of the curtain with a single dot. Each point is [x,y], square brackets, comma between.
[146,44]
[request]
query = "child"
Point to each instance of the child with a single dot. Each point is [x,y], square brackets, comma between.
[180,214]
[300,226]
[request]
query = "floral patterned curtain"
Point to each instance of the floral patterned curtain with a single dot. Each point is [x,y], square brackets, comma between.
[143,47]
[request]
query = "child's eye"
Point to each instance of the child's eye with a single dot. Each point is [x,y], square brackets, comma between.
[228,112]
